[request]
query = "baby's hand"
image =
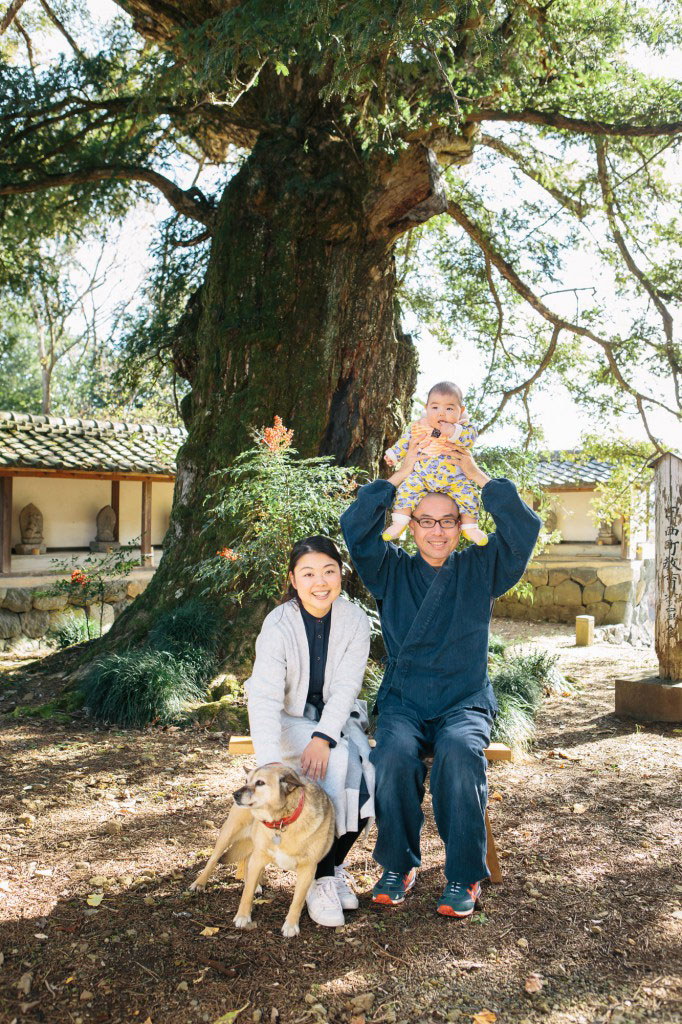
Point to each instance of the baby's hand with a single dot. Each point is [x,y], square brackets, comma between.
[447,429]
[389,460]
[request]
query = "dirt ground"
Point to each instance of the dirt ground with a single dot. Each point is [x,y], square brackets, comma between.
[589,913]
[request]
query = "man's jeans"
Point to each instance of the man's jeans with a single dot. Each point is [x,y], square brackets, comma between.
[458,786]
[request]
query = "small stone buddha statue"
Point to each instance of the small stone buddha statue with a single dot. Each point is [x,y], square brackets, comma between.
[31,526]
[106,530]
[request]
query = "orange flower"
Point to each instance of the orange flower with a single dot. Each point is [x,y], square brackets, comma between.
[277,438]
[78,576]
[227,553]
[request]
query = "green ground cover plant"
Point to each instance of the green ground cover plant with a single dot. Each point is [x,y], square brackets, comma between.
[155,683]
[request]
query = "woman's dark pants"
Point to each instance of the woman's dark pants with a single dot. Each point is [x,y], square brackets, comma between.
[458,786]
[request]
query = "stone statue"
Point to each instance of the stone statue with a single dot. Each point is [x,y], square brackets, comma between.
[31,526]
[106,529]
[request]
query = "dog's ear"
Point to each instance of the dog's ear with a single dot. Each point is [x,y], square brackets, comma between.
[246,770]
[289,781]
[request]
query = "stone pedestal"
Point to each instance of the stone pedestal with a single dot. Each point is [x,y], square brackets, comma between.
[649,699]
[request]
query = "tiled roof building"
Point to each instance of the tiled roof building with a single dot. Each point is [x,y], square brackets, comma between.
[557,471]
[69,444]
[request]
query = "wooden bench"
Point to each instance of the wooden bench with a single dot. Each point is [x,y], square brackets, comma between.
[495,752]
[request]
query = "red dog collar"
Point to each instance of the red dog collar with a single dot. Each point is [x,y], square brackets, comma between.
[283,822]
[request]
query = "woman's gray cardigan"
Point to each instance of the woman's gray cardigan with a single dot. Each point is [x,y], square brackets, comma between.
[281,673]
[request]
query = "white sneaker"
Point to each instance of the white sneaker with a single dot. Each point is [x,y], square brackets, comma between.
[347,897]
[324,905]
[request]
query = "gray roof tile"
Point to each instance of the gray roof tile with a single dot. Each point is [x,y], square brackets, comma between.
[557,471]
[56,442]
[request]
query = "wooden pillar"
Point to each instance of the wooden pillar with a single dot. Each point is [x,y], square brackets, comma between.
[146,530]
[116,504]
[668,482]
[5,525]
[625,537]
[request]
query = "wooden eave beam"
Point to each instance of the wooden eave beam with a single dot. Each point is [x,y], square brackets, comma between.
[79,474]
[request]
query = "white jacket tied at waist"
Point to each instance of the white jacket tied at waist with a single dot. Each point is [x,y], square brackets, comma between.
[281,673]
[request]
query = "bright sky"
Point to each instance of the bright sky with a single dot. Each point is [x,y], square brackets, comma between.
[554,410]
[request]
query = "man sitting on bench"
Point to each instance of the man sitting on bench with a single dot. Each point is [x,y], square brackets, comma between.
[435,610]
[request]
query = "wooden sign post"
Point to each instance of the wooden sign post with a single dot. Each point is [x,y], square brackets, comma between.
[659,698]
[669,566]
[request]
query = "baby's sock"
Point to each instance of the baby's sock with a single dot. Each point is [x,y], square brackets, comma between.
[472,533]
[399,524]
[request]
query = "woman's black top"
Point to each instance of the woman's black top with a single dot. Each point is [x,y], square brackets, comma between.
[317,631]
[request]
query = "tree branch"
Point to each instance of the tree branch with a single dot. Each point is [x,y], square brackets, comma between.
[507,271]
[574,205]
[635,270]
[553,119]
[29,48]
[10,14]
[63,29]
[191,203]
[527,384]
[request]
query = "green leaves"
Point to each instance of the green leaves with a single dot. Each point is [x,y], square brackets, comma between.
[267,500]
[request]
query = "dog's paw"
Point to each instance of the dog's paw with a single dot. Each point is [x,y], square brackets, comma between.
[259,890]
[290,930]
[197,886]
[243,921]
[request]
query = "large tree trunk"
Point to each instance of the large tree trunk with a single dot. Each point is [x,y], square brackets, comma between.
[297,317]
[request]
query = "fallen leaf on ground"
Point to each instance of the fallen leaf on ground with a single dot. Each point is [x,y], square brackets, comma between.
[563,754]
[361,1019]
[24,983]
[97,880]
[533,983]
[496,796]
[484,1017]
[94,899]
[230,1016]
[208,930]
[579,808]
[522,943]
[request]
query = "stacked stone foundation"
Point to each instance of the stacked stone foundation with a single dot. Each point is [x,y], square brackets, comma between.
[620,593]
[30,616]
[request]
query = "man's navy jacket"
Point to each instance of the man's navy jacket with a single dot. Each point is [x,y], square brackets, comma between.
[435,622]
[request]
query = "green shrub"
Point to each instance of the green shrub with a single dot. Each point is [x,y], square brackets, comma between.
[75,630]
[269,498]
[153,683]
[191,631]
[496,646]
[519,683]
[139,687]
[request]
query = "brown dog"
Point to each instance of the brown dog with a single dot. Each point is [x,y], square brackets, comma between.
[280,818]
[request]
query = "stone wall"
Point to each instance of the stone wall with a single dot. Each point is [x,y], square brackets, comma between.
[622,592]
[29,615]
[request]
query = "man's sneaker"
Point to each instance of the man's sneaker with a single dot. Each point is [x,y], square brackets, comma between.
[392,887]
[459,900]
[324,905]
[347,897]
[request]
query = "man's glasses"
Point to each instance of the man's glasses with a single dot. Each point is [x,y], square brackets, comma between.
[446,523]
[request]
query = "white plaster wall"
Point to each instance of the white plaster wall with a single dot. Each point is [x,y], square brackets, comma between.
[70,509]
[131,511]
[572,508]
